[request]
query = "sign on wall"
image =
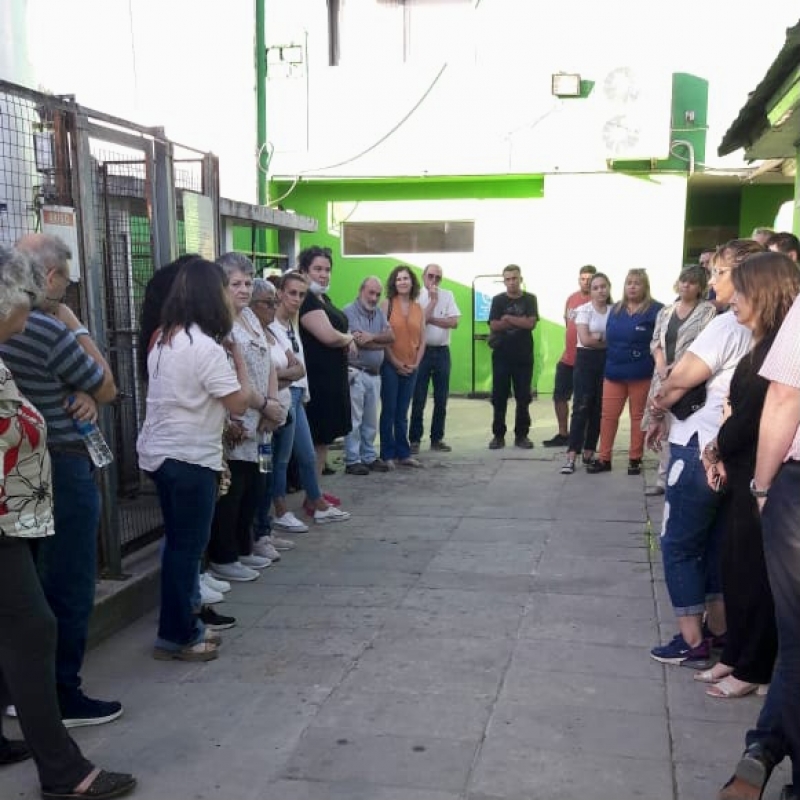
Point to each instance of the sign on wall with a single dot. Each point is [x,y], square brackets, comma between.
[60,221]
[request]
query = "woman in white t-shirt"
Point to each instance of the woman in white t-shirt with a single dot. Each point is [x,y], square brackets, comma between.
[590,361]
[191,386]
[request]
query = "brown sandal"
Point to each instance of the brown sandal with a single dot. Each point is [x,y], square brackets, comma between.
[202,651]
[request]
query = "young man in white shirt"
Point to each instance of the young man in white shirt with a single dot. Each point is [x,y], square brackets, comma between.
[441,317]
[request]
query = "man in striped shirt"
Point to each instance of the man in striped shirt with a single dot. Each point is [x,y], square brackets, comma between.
[59,369]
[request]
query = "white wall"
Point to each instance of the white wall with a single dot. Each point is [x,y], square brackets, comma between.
[186,65]
[491,109]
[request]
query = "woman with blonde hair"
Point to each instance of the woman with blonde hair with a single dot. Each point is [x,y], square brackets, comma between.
[628,370]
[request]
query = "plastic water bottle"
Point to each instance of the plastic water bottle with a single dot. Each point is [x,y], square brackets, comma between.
[99,451]
[265,452]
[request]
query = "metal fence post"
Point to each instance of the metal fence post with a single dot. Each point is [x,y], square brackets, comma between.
[84,181]
[164,223]
[211,189]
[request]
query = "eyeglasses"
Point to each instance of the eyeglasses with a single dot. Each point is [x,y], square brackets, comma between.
[717,272]
[434,278]
[31,296]
[267,302]
[293,339]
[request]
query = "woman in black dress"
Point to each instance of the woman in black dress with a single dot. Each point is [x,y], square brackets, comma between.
[323,328]
[766,285]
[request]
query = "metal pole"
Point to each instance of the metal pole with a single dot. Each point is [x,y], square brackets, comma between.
[261,113]
[163,221]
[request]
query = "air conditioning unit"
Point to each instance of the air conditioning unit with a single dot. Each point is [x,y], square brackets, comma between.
[635,112]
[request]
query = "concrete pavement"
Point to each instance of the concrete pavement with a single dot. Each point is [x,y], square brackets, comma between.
[479,630]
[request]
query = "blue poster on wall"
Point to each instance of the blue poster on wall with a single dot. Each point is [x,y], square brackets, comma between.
[485,287]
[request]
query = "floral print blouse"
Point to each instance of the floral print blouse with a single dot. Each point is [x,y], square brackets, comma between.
[26,492]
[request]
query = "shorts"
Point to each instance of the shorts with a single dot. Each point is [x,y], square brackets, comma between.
[563,388]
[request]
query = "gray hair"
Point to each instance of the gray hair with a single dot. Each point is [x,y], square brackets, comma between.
[44,252]
[17,284]
[262,286]
[377,280]
[236,262]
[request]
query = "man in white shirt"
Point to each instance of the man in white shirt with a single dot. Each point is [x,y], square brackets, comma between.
[441,316]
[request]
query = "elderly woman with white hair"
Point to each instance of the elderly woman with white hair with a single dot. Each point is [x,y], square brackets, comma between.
[27,625]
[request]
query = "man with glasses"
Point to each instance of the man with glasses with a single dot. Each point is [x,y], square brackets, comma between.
[441,317]
[371,335]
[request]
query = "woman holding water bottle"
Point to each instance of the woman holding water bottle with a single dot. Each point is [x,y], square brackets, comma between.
[247,440]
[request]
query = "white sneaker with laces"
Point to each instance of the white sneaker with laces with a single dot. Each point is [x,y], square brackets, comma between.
[264,549]
[278,543]
[330,514]
[218,586]
[233,572]
[255,562]
[289,523]
[208,596]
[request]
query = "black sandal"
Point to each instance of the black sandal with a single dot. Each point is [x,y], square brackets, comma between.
[106,785]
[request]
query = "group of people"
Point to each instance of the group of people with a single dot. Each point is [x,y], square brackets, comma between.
[713,384]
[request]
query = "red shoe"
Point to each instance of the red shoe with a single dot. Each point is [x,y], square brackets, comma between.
[331,500]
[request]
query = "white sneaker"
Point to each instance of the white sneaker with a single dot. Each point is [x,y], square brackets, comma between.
[264,549]
[218,586]
[255,562]
[233,572]
[278,543]
[208,596]
[289,523]
[330,514]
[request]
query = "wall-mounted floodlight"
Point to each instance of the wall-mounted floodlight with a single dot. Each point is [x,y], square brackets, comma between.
[566,84]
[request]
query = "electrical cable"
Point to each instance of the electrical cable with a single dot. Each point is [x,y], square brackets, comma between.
[373,146]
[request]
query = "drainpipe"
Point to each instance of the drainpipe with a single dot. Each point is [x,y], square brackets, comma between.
[261,114]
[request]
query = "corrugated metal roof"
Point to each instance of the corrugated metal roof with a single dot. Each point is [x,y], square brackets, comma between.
[752,119]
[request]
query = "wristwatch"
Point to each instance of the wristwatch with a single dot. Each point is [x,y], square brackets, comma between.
[755,491]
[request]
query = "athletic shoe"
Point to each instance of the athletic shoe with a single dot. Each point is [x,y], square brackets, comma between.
[214,621]
[441,446]
[569,467]
[331,499]
[208,596]
[497,443]
[330,514]
[235,572]
[213,583]
[559,440]
[595,466]
[278,543]
[79,711]
[357,469]
[264,549]
[255,561]
[678,651]
[523,442]
[289,523]
[378,465]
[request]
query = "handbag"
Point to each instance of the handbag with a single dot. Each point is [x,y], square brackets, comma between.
[691,402]
[495,337]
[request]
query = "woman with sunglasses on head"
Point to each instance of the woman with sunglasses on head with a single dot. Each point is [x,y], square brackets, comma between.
[692,527]
[628,370]
[288,369]
[295,436]
[765,286]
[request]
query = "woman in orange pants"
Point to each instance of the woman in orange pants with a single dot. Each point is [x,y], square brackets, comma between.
[629,369]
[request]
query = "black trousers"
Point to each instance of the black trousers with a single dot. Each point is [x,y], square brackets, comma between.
[231,529]
[28,667]
[587,399]
[752,635]
[508,374]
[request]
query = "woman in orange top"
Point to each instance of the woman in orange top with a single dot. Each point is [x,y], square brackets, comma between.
[399,369]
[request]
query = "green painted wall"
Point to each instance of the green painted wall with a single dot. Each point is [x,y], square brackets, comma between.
[312,199]
[760,204]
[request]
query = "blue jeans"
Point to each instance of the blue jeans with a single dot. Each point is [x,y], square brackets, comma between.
[295,437]
[781,524]
[359,444]
[434,367]
[67,562]
[187,494]
[691,533]
[396,393]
